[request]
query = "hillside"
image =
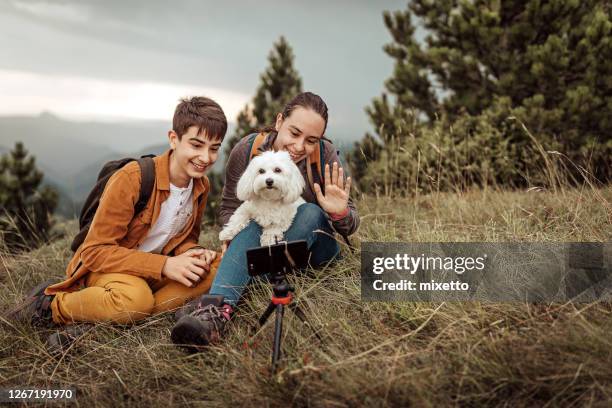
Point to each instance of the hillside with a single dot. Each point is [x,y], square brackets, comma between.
[373,354]
[60,147]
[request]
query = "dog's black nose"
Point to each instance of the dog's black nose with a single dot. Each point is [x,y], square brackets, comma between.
[269,182]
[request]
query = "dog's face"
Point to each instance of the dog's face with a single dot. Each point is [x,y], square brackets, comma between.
[271,176]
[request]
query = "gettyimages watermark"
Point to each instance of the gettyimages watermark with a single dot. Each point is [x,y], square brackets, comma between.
[486,271]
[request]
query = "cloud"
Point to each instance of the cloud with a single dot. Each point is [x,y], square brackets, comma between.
[337,45]
[60,11]
[82,98]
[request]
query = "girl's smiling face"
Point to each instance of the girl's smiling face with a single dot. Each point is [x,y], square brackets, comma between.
[299,133]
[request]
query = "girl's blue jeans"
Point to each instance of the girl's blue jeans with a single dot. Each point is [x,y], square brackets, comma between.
[232,275]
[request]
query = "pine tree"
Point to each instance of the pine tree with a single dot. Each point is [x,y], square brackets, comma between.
[244,126]
[545,63]
[25,219]
[279,83]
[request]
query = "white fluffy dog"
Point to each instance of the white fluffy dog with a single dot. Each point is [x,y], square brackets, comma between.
[271,189]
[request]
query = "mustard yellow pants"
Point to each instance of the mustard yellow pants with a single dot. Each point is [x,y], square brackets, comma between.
[122,298]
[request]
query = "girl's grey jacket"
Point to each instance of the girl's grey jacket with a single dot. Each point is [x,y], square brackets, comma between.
[238,162]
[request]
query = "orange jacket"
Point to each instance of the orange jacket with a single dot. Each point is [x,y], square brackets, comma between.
[115,234]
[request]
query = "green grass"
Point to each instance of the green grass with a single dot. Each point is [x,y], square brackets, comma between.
[374,354]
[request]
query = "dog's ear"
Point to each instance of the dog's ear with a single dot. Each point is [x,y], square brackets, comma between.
[295,184]
[244,189]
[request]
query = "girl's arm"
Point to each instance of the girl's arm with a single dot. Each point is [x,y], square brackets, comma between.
[348,223]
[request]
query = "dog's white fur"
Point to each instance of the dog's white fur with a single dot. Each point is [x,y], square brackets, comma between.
[272,207]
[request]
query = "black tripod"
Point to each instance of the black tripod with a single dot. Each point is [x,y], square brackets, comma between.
[282,295]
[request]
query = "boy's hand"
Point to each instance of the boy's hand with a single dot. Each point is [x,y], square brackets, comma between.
[197,251]
[186,268]
[207,255]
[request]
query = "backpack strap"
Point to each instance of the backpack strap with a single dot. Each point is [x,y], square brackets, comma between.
[147,181]
[255,140]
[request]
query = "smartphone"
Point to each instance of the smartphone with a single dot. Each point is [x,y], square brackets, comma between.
[282,257]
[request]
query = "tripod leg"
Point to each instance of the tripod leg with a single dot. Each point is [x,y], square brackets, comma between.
[278,332]
[264,317]
[300,314]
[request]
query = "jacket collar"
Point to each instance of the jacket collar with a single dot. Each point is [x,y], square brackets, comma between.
[268,142]
[162,174]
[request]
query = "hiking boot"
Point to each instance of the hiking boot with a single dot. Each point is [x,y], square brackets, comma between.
[204,325]
[60,341]
[186,309]
[36,308]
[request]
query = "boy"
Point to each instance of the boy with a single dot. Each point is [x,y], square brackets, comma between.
[131,265]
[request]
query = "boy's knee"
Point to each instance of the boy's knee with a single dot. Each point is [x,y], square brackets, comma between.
[132,303]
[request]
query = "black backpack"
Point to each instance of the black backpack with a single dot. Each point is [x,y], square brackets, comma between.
[147,170]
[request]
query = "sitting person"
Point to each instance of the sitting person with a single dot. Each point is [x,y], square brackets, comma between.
[298,130]
[132,265]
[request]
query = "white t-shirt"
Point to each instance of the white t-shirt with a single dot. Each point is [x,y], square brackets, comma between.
[173,217]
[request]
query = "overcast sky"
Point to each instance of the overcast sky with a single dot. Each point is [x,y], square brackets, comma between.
[109,60]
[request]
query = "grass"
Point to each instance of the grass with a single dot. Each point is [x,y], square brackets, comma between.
[373,354]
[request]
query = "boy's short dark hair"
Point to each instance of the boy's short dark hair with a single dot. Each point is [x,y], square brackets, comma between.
[202,112]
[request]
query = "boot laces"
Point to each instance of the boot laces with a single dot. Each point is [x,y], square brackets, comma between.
[212,312]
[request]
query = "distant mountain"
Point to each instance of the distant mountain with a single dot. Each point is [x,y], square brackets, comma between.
[66,207]
[58,145]
[70,154]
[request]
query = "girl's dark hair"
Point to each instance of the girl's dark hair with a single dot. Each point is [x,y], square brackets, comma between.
[306,100]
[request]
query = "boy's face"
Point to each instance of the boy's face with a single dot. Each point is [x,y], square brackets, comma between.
[193,154]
